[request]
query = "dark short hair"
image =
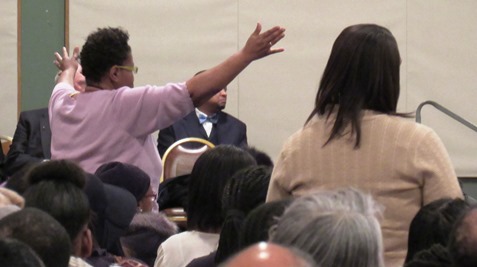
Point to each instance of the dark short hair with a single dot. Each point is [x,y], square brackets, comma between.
[57,188]
[433,224]
[258,222]
[126,176]
[362,73]
[18,182]
[462,244]
[246,190]
[41,232]
[103,49]
[209,175]
[261,157]
[16,253]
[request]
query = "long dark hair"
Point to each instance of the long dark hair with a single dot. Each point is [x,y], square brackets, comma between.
[209,176]
[362,73]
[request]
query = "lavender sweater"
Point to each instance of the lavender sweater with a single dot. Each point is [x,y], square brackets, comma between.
[92,128]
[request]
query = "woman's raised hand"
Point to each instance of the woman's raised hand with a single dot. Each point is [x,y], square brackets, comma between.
[260,44]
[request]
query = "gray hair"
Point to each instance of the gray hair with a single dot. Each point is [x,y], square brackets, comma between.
[338,228]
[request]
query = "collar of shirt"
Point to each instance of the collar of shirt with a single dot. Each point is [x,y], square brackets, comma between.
[207,124]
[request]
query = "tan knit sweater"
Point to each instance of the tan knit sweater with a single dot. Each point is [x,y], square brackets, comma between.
[404,165]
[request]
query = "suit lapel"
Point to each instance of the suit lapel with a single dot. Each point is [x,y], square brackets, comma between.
[193,126]
[215,133]
[45,133]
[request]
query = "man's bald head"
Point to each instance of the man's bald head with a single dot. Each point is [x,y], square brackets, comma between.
[269,254]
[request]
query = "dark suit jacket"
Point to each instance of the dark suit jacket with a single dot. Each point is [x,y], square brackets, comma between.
[31,141]
[228,130]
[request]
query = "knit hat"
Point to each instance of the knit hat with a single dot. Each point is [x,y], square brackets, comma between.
[114,210]
[126,176]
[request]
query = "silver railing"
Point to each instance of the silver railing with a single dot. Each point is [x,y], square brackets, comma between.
[445,111]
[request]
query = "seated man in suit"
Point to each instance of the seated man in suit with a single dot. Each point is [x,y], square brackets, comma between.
[31,141]
[209,122]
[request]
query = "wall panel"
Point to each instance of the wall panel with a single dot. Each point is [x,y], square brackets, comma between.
[8,66]
[173,39]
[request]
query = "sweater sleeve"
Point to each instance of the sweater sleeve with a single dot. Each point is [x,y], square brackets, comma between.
[437,171]
[144,110]
[160,257]
[277,188]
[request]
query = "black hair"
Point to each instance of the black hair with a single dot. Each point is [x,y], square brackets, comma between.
[246,190]
[209,175]
[261,157]
[433,223]
[462,246]
[257,224]
[102,50]
[362,73]
[16,253]
[126,176]
[41,232]
[19,182]
[57,188]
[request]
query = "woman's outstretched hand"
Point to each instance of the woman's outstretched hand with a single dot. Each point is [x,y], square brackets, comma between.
[260,44]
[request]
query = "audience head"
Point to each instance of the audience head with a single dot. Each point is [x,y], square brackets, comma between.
[257,224]
[362,73]
[435,256]
[145,234]
[462,245]
[18,181]
[41,232]
[261,157]
[57,188]
[246,190]
[114,209]
[433,224]
[131,178]
[269,254]
[338,228]
[102,55]
[209,175]
[18,254]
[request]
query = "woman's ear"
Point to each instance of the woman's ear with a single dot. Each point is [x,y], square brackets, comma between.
[114,74]
[86,243]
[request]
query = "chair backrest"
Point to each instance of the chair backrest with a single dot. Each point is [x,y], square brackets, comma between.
[6,142]
[180,157]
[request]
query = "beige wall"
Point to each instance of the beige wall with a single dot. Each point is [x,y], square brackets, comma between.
[8,66]
[171,40]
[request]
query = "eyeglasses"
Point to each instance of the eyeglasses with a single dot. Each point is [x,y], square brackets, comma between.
[134,69]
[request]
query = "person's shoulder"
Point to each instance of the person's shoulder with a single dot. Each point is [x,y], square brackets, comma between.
[408,124]
[186,120]
[38,111]
[33,114]
[231,118]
